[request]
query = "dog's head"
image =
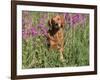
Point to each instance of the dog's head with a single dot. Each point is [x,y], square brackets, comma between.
[56,22]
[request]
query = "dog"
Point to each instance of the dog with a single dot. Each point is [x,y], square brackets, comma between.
[56,34]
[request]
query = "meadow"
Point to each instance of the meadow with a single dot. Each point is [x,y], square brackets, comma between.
[35,53]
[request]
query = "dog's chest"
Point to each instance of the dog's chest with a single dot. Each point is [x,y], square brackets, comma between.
[59,35]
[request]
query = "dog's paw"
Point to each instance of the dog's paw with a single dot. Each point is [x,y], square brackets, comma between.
[62,59]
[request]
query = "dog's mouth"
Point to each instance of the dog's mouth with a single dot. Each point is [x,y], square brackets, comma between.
[54,28]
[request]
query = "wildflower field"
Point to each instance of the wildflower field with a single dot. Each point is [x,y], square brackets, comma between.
[35,53]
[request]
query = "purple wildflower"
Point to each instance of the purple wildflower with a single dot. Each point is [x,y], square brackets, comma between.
[44,31]
[25,34]
[75,19]
[26,19]
[40,25]
[33,31]
[42,28]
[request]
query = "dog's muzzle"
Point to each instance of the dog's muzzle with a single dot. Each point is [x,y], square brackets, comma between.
[54,24]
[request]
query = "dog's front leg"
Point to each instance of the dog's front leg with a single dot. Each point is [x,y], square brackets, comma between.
[52,38]
[61,53]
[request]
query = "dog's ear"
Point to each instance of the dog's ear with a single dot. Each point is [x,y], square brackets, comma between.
[62,25]
[49,22]
[62,22]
